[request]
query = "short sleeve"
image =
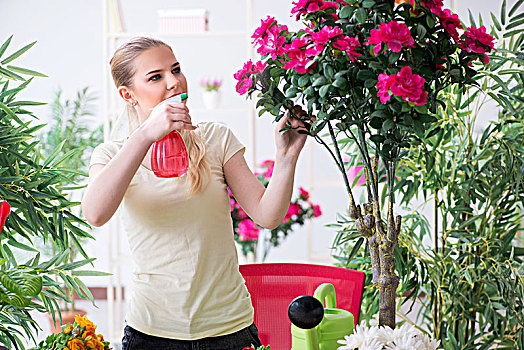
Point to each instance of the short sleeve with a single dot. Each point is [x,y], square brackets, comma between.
[220,137]
[104,152]
[230,144]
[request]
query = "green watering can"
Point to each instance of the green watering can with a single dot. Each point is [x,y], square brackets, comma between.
[315,327]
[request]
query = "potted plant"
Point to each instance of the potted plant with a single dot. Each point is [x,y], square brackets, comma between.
[247,232]
[38,209]
[211,95]
[371,71]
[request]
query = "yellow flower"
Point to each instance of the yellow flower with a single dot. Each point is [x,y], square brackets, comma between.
[68,329]
[76,344]
[100,337]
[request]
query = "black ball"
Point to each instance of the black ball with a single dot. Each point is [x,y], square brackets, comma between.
[305,312]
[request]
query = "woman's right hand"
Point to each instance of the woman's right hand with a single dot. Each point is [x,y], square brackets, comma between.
[165,118]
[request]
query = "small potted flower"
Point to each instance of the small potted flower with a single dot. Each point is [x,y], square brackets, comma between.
[211,95]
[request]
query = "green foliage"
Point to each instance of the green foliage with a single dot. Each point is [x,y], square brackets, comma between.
[71,130]
[32,185]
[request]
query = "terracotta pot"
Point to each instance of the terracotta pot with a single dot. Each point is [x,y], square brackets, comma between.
[67,317]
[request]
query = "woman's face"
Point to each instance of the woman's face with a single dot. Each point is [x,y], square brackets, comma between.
[157,77]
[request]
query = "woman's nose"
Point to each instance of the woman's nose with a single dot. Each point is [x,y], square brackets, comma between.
[172,82]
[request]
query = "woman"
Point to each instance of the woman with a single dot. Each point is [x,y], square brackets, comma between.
[187,290]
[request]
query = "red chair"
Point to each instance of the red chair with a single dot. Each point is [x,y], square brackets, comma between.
[273,286]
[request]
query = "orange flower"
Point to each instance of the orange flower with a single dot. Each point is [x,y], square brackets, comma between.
[100,337]
[83,321]
[68,329]
[76,344]
[399,2]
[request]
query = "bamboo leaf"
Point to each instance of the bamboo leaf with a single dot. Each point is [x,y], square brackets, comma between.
[18,53]
[513,9]
[5,45]
[26,71]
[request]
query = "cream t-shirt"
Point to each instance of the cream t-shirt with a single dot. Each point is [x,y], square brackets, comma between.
[186,280]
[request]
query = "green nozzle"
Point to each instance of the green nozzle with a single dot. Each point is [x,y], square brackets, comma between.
[183,96]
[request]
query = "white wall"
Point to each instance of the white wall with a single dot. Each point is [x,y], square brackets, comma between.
[69,50]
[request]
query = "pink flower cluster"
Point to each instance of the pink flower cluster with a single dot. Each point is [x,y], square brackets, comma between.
[478,41]
[303,7]
[248,230]
[394,34]
[405,84]
[268,166]
[268,37]
[244,75]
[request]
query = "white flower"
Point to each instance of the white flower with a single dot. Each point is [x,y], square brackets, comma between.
[405,337]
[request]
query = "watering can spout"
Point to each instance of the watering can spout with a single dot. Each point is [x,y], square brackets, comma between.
[316,328]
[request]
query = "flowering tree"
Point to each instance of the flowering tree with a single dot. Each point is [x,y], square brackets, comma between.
[371,72]
[247,232]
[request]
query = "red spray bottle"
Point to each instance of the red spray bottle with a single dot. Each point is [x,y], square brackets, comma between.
[169,157]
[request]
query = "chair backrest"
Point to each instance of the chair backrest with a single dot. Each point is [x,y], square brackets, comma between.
[274,285]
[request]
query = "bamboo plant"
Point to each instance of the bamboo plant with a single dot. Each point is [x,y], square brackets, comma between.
[33,186]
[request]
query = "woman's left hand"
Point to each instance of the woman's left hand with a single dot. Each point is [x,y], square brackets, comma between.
[291,142]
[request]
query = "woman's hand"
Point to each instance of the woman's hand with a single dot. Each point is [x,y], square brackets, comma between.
[291,142]
[165,118]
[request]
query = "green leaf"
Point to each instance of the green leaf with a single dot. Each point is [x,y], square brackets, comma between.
[340,83]
[503,12]
[26,71]
[388,124]
[368,4]
[324,90]
[421,31]
[471,19]
[5,45]
[513,9]
[365,75]
[21,246]
[320,81]
[347,11]
[361,15]
[89,273]
[18,53]
[496,22]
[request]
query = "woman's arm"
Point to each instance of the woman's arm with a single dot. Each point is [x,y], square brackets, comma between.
[267,206]
[108,183]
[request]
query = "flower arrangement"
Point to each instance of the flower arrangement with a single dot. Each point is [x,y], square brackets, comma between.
[369,73]
[77,336]
[385,338]
[247,232]
[211,84]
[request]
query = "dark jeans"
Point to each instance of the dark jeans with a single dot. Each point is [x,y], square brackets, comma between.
[135,340]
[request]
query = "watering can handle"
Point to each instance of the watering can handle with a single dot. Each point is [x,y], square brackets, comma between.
[326,291]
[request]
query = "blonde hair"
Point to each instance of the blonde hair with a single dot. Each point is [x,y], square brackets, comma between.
[123,71]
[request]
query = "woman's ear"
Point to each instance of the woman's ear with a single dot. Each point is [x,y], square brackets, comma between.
[127,95]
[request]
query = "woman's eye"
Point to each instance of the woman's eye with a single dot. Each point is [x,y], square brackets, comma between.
[176,70]
[155,77]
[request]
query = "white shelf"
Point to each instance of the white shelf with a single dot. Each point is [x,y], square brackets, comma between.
[127,35]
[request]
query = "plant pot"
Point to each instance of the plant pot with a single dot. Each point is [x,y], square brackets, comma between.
[211,99]
[67,317]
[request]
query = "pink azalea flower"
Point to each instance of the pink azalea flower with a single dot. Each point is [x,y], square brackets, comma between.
[248,230]
[245,83]
[303,7]
[434,6]
[298,58]
[383,86]
[348,45]
[293,210]
[477,40]
[451,23]
[394,34]
[232,204]
[409,86]
[316,210]
[268,37]
[325,34]
[405,84]
[269,165]
[304,194]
